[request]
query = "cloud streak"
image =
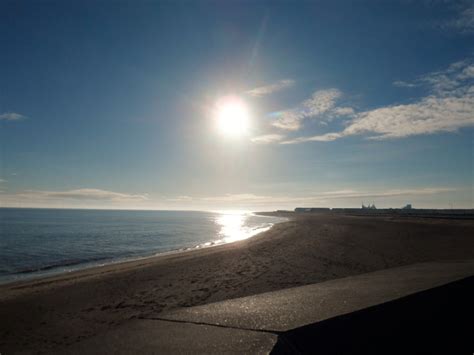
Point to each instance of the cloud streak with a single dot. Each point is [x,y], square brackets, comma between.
[92,198]
[83,194]
[448,107]
[270,89]
[322,105]
[323,197]
[428,116]
[450,81]
[267,138]
[11,116]
[465,21]
[404,84]
[350,194]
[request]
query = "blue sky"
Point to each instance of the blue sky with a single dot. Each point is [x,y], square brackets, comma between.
[110,104]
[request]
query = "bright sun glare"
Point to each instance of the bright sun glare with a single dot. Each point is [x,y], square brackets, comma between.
[232,117]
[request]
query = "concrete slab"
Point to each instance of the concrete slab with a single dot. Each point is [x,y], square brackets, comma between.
[295,307]
[433,321]
[161,337]
[291,320]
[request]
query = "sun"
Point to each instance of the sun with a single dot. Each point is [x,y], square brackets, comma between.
[232,116]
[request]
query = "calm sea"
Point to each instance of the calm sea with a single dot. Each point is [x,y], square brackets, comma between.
[39,242]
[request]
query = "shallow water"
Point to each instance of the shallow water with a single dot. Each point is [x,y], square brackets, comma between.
[39,242]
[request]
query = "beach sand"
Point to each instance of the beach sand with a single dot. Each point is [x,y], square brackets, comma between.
[49,314]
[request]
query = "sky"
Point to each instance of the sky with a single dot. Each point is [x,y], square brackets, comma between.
[112,104]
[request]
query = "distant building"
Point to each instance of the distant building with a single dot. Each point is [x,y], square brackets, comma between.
[320,209]
[302,209]
[407,207]
[369,207]
[312,209]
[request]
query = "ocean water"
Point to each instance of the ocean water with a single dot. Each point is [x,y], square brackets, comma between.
[40,242]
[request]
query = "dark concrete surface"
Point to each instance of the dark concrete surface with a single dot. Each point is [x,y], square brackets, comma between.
[434,321]
[160,337]
[413,309]
[294,307]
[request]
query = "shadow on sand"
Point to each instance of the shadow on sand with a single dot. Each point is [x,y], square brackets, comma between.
[435,321]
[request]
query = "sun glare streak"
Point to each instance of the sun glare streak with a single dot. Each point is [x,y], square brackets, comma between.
[233,227]
[232,116]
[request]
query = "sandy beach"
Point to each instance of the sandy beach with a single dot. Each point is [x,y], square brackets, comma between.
[49,314]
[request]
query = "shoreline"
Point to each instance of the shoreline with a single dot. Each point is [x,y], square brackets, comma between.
[121,264]
[54,271]
[50,314]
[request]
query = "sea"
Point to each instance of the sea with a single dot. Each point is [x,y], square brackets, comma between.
[41,242]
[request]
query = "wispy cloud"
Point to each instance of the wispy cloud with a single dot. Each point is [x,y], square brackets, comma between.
[349,194]
[234,198]
[444,82]
[404,84]
[11,116]
[250,199]
[343,111]
[270,89]
[82,194]
[465,20]
[322,105]
[428,116]
[267,138]
[92,198]
[328,137]
[182,198]
[448,107]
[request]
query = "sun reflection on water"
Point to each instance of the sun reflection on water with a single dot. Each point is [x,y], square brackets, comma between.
[233,226]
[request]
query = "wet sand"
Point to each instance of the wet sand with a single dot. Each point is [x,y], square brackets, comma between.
[48,314]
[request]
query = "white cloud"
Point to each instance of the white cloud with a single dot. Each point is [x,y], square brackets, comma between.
[288,120]
[430,115]
[270,89]
[404,84]
[83,194]
[343,111]
[339,192]
[11,116]
[322,102]
[2,180]
[467,73]
[93,198]
[182,198]
[465,21]
[267,138]
[443,82]
[249,199]
[349,194]
[234,198]
[328,137]
[449,107]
